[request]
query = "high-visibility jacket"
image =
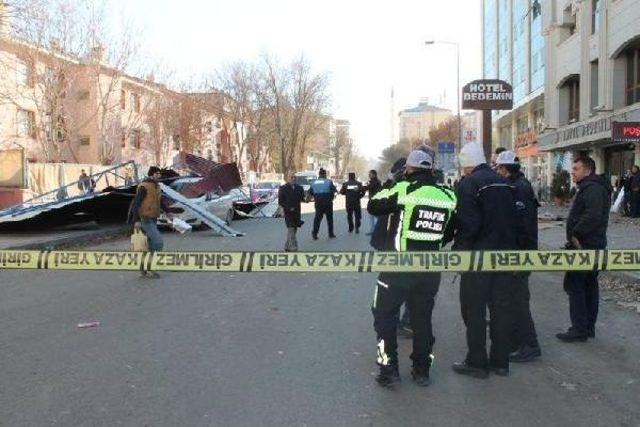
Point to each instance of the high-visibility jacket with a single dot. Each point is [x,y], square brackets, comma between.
[422,214]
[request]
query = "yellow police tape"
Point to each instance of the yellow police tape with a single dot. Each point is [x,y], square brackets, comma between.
[327,262]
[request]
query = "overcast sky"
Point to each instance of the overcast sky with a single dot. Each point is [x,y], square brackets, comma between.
[368,47]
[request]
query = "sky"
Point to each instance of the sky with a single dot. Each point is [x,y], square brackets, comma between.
[367,47]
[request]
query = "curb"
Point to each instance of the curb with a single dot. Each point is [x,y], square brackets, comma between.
[84,239]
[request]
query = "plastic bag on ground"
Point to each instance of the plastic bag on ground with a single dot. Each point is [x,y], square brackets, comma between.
[180,225]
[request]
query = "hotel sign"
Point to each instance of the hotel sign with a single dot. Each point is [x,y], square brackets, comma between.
[487,95]
[625,131]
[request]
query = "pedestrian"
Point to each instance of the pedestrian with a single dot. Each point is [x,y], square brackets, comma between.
[635,191]
[353,191]
[524,340]
[84,182]
[373,186]
[290,197]
[323,192]
[586,229]
[146,207]
[495,155]
[626,199]
[420,218]
[486,221]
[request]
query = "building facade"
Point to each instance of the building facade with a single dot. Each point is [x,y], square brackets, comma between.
[592,80]
[416,123]
[513,51]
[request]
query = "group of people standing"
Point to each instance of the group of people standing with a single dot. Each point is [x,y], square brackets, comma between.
[323,191]
[493,208]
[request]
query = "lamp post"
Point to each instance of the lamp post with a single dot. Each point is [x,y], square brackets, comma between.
[457,46]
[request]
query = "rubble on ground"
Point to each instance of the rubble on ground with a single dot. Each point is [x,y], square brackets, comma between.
[621,291]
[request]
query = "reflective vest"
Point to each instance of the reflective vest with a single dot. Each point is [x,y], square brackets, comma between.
[424,213]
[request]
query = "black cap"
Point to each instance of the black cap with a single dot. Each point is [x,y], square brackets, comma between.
[153,170]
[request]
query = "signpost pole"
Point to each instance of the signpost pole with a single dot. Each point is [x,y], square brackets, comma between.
[486,133]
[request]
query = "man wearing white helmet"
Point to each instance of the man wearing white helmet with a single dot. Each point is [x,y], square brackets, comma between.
[486,220]
[524,341]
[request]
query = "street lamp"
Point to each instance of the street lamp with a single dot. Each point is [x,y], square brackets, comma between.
[457,46]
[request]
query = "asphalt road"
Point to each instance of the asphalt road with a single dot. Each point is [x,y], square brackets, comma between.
[280,349]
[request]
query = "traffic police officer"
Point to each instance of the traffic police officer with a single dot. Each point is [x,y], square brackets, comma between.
[353,192]
[323,192]
[420,219]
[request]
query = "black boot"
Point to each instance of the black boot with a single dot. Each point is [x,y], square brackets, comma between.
[525,354]
[572,336]
[420,374]
[388,376]
[463,368]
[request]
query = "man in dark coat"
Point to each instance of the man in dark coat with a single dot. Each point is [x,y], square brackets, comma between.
[634,187]
[486,220]
[524,340]
[373,186]
[586,229]
[290,197]
[353,191]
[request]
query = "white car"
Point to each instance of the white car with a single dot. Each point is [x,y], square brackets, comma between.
[217,204]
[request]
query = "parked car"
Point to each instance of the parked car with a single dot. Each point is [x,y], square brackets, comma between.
[220,205]
[305,179]
[264,191]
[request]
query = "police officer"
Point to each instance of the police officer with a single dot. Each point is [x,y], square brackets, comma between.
[353,192]
[420,217]
[524,341]
[323,192]
[486,219]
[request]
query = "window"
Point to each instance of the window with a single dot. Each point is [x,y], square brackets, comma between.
[573,86]
[209,155]
[594,85]
[134,138]
[595,16]
[135,102]
[24,76]
[123,99]
[633,76]
[123,141]
[85,140]
[208,127]
[26,123]
[83,95]
[176,142]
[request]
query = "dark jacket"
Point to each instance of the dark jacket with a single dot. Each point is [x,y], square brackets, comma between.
[634,184]
[486,217]
[527,210]
[389,213]
[373,187]
[353,192]
[291,198]
[589,215]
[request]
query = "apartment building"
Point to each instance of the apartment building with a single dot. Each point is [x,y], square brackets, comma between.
[592,79]
[416,123]
[513,50]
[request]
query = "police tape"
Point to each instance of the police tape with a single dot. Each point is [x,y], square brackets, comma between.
[326,262]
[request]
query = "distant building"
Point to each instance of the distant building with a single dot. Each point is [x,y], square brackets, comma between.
[415,123]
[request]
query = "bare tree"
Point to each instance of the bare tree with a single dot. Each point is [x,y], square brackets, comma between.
[69,80]
[295,97]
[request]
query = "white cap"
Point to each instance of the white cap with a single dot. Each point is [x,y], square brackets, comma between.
[507,158]
[471,155]
[420,160]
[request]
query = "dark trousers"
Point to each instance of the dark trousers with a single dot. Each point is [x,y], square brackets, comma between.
[354,211]
[635,204]
[523,331]
[479,292]
[418,290]
[626,203]
[323,209]
[584,299]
